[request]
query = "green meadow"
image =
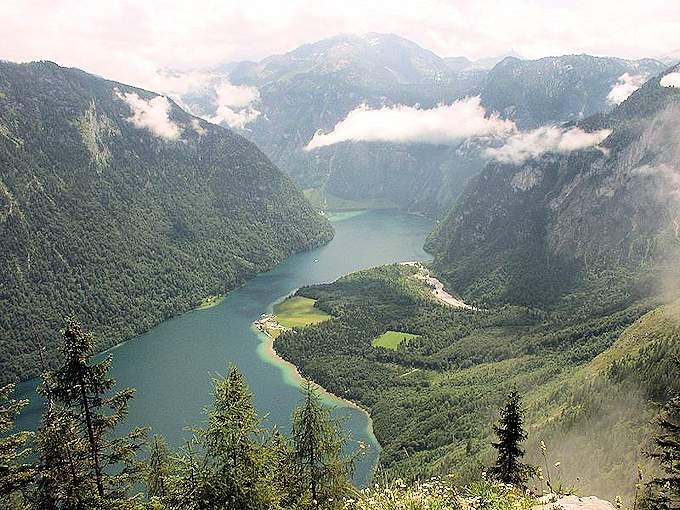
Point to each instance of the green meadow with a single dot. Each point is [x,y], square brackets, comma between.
[210,301]
[297,312]
[392,339]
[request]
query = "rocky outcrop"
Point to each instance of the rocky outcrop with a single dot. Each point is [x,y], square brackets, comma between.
[574,503]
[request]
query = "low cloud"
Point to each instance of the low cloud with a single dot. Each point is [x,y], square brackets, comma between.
[196,125]
[409,124]
[667,176]
[152,114]
[625,85]
[671,80]
[210,96]
[233,105]
[548,139]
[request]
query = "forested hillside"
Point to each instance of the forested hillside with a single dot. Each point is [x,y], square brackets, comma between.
[118,206]
[591,383]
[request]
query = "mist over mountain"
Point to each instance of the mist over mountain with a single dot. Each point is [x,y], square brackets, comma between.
[558,89]
[557,221]
[314,87]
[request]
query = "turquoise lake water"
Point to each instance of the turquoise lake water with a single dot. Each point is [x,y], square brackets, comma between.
[171,366]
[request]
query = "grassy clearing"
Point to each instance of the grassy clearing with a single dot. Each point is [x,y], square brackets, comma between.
[392,339]
[298,312]
[210,301]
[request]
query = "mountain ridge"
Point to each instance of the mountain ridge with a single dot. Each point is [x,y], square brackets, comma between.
[120,207]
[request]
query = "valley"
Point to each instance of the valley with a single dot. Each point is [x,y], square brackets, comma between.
[172,364]
[281,266]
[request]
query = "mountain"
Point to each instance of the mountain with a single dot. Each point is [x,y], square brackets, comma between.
[601,217]
[572,262]
[316,85]
[118,206]
[670,58]
[491,62]
[372,61]
[557,89]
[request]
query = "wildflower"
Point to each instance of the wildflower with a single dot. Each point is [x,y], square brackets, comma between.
[543,447]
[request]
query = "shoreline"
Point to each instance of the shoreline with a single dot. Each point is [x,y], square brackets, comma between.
[292,374]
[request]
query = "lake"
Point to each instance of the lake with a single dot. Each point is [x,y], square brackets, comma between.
[171,366]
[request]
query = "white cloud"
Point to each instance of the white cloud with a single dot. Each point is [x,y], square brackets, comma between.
[671,80]
[152,114]
[548,139]
[233,105]
[625,86]
[196,125]
[409,124]
[180,34]
[668,177]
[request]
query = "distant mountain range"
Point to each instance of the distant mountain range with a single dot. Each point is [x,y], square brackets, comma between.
[316,85]
[120,207]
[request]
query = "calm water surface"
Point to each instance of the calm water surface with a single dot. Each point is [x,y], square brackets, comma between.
[171,366]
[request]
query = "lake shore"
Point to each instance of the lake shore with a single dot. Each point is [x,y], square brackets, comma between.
[292,375]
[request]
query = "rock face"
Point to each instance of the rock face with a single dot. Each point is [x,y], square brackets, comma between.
[575,503]
[567,88]
[526,232]
[118,206]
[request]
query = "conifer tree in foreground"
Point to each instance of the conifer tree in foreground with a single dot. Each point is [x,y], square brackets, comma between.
[231,440]
[323,472]
[159,469]
[225,466]
[83,465]
[665,488]
[15,472]
[510,432]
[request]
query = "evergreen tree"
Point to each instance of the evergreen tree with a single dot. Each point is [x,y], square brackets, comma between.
[665,488]
[232,469]
[15,472]
[323,473]
[159,469]
[510,432]
[77,433]
[233,425]
[63,480]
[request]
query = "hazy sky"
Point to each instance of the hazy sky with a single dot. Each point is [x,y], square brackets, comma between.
[127,40]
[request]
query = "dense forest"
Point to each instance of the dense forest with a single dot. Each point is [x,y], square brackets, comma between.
[81,458]
[120,207]
[432,398]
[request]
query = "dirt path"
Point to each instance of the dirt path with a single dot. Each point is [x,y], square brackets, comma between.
[438,290]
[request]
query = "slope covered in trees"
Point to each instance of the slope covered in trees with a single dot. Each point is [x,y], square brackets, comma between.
[591,381]
[118,206]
